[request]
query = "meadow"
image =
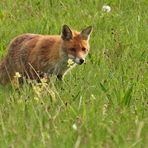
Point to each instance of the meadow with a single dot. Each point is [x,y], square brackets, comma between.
[100,104]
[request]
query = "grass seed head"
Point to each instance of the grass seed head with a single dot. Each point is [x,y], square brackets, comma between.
[106,8]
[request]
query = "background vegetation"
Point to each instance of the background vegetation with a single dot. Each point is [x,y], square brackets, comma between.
[103,103]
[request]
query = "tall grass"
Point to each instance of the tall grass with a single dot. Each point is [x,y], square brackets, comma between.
[102,103]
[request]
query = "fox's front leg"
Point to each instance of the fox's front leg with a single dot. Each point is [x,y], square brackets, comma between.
[60,77]
[62,74]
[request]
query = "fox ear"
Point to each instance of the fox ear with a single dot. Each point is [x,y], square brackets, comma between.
[85,33]
[66,33]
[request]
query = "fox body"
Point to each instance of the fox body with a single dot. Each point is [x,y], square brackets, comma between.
[33,55]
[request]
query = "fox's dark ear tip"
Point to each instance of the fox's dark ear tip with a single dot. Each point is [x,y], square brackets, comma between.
[66,33]
[65,26]
[91,27]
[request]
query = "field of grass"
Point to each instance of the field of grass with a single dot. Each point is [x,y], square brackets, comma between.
[103,103]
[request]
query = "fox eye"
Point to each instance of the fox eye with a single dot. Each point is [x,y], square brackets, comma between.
[73,49]
[83,49]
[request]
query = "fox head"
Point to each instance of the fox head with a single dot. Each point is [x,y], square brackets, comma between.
[76,44]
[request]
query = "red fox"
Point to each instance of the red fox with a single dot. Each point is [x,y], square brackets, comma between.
[33,55]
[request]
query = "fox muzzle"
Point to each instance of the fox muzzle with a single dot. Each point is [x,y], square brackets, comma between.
[79,60]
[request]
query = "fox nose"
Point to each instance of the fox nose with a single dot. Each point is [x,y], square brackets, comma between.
[81,61]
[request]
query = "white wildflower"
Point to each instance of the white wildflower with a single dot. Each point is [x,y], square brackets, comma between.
[74,126]
[106,8]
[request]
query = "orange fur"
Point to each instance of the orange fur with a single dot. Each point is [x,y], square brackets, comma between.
[32,54]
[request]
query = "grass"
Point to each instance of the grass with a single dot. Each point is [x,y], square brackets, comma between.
[102,103]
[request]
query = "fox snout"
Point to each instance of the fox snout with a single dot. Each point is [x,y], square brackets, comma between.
[79,60]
